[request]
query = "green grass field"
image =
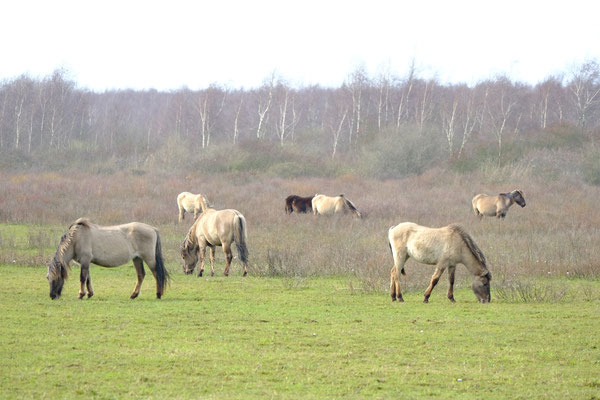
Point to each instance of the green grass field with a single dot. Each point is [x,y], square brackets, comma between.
[262,337]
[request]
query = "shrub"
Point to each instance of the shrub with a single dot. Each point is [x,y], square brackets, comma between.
[591,167]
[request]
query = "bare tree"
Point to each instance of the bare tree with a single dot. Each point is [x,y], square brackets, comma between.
[356,84]
[405,92]
[585,89]
[209,105]
[500,110]
[237,119]
[337,116]
[384,85]
[265,97]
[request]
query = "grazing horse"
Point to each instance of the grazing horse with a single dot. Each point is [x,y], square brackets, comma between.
[215,228]
[189,202]
[326,205]
[107,246]
[496,205]
[443,247]
[298,204]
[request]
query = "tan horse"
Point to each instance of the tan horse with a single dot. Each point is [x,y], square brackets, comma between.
[443,247]
[107,246]
[496,205]
[325,205]
[215,228]
[189,202]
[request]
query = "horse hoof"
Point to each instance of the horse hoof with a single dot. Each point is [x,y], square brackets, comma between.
[134,295]
[452,299]
[158,295]
[81,295]
[245,273]
[400,299]
[90,295]
[426,301]
[200,274]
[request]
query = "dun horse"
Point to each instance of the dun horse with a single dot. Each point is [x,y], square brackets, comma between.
[443,247]
[326,205]
[215,228]
[298,204]
[496,205]
[189,202]
[107,246]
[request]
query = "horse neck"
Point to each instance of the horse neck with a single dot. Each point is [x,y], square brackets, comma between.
[474,265]
[191,236]
[65,253]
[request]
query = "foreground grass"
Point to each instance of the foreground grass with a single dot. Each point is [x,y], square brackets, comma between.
[285,338]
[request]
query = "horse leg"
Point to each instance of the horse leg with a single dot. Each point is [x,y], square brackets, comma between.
[399,261]
[152,266]
[451,271]
[212,260]
[84,279]
[139,268]
[434,280]
[90,289]
[228,258]
[393,288]
[201,254]
[181,213]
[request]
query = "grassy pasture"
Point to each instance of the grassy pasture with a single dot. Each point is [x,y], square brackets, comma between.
[313,319]
[261,337]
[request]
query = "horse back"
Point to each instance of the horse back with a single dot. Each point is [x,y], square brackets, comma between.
[112,246]
[216,227]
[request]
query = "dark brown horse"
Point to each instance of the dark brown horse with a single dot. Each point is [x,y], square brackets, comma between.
[298,204]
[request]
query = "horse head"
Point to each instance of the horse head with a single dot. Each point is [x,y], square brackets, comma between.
[517,195]
[189,254]
[57,274]
[481,287]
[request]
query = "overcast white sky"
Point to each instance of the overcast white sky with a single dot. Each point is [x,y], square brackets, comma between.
[169,44]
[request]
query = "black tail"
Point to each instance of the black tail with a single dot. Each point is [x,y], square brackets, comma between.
[239,237]
[162,275]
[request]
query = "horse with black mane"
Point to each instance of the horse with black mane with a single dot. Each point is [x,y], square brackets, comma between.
[496,206]
[107,246]
[443,247]
[326,205]
[215,228]
[298,204]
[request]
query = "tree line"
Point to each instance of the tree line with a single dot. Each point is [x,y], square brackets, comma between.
[54,113]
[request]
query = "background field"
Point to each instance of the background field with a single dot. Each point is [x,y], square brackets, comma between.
[314,318]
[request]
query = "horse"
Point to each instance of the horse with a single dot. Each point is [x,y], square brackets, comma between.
[496,205]
[189,202]
[215,228]
[443,247]
[107,246]
[326,205]
[298,204]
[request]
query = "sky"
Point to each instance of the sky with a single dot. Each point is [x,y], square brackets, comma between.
[167,45]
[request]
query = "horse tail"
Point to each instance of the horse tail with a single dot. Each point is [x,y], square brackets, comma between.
[162,275]
[474,203]
[288,204]
[240,237]
[351,206]
[392,250]
[475,250]
[203,203]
